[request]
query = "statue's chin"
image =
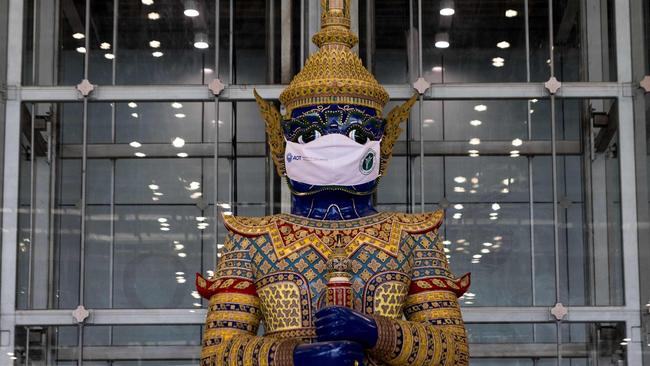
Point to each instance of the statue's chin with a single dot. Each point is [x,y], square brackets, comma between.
[365,188]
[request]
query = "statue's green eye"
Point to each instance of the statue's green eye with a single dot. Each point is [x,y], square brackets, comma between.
[308,136]
[358,136]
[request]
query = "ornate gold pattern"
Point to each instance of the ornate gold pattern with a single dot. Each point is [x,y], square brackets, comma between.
[290,233]
[284,282]
[334,74]
[277,143]
[396,116]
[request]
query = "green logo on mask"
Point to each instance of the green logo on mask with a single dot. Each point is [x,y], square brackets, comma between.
[368,162]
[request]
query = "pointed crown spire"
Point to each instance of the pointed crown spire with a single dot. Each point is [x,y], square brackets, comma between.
[334,74]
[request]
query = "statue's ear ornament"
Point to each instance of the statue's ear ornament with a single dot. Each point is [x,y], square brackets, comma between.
[272,120]
[396,116]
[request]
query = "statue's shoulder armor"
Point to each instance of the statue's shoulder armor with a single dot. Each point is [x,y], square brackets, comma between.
[248,225]
[419,223]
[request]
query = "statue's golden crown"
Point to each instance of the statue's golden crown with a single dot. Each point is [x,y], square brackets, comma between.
[334,74]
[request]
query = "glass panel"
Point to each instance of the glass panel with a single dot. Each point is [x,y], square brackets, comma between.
[72,42]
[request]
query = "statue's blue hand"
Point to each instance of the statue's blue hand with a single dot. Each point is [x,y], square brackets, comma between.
[337,323]
[329,354]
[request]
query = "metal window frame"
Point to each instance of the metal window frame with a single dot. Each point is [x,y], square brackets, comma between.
[623,90]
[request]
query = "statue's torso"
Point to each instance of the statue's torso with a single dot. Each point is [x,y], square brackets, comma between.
[287,257]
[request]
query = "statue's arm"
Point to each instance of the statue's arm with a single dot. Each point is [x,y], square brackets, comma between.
[230,335]
[434,332]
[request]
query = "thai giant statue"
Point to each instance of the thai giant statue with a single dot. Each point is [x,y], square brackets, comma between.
[335,282]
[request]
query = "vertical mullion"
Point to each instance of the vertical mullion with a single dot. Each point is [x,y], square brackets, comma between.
[421,107]
[215,162]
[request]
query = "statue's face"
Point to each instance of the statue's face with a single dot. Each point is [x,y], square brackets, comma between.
[357,123]
[354,129]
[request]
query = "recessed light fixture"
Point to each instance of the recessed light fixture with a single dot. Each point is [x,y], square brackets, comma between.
[182,155]
[201,41]
[178,142]
[191,8]
[132,105]
[475,123]
[503,44]
[109,56]
[179,115]
[105,46]
[177,105]
[154,187]
[511,13]
[447,8]
[147,2]
[154,44]
[81,49]
[78,36]
[157,54]
[153,16]
[480,108]
[135,115]
[135,144]
[442,40]
[460,179]
[475,141]
[436,69]
[140,154]
[207,70]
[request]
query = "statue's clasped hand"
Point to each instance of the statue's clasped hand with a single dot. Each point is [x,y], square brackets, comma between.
[343,334]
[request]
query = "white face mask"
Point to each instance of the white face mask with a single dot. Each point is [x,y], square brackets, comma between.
[333,160]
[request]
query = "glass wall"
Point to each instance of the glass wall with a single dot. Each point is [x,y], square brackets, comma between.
[121,191]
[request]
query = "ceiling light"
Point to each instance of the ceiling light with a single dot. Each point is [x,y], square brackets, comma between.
[153,16]
[132,105]
[201,41]
[81,49]
[154,44]
[140,155]
[191,9]
[458,206]
[177,105]
[428,121]
[196,195]
[134,115]
[207,70]
[195,294]
[477,256]
[179,115]
[496,206]
[194,186]
[485,250]
[109,56]
[503,44]
[460,179]
[514,153]
[458,216]
[534,100]
[135,144]
[510,13]
[157,54]
[182,255]
[475,122]
[158,194]
[178,142]
[446,242]
[154,187]
[475,141]
[480,108]
[225,206]
[78,36]
[442,40]
[437,69]
[182,155]
[493,214]
[474,180]
[147,2]
[459,189]
[447,8]
[164,224]
[162,219]
[105,46]
[486,244]
[505,190]
[201,218]
[164,229]
[517,142]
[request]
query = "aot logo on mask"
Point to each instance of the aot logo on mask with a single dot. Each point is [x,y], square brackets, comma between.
[333,159]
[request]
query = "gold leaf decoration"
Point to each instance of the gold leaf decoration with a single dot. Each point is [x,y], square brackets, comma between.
[398,115]
[272,120]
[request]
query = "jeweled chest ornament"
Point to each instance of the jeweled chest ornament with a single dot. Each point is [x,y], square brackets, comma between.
[339,277]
